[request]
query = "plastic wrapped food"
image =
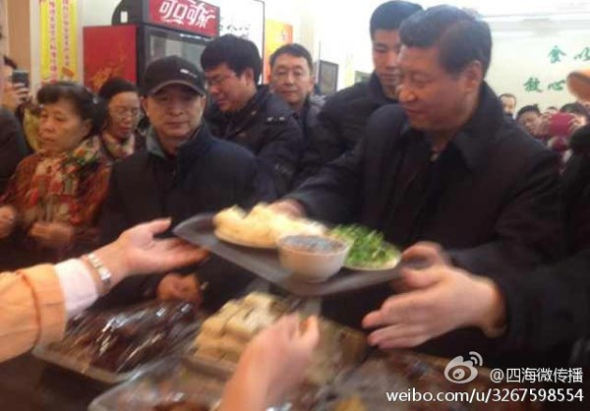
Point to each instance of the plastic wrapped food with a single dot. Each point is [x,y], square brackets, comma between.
[225,335]
[119,341]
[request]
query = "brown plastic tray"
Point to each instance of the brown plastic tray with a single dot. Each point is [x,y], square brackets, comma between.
[198,230]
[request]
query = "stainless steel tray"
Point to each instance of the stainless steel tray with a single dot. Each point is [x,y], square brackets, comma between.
[265,263]
[80,366]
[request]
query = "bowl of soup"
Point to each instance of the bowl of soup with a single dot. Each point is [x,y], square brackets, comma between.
[312,258]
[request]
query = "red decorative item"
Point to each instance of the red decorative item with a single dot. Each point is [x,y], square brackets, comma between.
[190,15]
[109,52]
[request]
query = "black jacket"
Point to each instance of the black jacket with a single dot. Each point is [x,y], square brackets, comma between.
[12,146]
[269,129]
[548,308]
[207,175]
[341,123]
[491,197]
[308,117]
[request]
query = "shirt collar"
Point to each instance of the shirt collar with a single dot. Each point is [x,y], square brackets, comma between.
[474,138]
[376,91]
[199,138]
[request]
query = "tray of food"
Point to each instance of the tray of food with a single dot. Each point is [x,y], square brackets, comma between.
[114,346]
[305,258]
[223,337]
[174,385]
[169,386]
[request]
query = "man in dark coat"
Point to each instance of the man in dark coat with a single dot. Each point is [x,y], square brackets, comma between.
[249,116]
[343,119]
[291,78]
[444,166]
[185,171]
[12,146]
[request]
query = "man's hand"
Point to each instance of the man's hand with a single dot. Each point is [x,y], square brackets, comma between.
[441,300]
[14,96]
[177,287]
[289,207]
[7,220]
[429,253]
[53,235]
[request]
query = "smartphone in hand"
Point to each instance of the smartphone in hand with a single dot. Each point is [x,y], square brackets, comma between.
[20,77]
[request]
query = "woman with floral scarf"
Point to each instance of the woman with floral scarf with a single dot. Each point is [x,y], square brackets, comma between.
[50,208]
[119,136]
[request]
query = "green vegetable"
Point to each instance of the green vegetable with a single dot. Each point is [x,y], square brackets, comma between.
[368,248]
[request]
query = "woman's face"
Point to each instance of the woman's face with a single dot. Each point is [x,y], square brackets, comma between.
[61,128]
[124,112]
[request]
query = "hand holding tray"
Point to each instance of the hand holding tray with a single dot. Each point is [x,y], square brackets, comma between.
[199,230]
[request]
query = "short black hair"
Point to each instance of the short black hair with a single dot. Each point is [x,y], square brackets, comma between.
[293,49]
[114,86]
[530,108]
[10,62]
[239,54]
[461,37]
[82,99]
[576,108]
[390,15]
[509,95]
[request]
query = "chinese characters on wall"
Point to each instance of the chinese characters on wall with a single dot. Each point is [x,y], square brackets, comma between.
[555,56]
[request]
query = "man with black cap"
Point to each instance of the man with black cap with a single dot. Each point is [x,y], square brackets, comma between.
[185,171]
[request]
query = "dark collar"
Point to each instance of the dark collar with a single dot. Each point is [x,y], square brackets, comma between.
[198,142]
[476,135]
[376,91]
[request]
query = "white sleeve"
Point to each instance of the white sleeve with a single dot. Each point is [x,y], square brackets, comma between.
[77,284]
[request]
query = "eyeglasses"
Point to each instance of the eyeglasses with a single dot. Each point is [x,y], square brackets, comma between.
[217,81]
[121,113]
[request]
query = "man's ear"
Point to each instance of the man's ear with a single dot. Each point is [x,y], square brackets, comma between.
[144,103]
[473,76]
[311,83]
[248,73]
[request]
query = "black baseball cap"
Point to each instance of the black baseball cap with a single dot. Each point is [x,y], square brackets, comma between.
[171,70]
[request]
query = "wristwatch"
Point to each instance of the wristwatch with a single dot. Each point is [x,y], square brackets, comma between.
[104,273]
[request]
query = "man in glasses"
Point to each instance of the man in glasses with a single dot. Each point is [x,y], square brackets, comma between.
[250,116]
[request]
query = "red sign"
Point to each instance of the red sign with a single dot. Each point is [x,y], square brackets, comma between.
[191,15]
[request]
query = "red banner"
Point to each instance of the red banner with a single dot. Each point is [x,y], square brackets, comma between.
[190,15]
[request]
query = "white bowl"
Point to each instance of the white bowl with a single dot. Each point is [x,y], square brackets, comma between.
[312,258]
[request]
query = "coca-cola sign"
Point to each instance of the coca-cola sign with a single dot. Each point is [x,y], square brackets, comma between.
[192,15]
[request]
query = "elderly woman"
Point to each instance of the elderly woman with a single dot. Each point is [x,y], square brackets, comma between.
[50,207]
[119,137]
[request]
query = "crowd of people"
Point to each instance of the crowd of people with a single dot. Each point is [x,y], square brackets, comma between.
[424,151]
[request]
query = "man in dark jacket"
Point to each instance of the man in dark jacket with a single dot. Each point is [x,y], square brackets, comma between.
[291,78]
[343,119]
[249,116]
[444,166]
[185,171]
